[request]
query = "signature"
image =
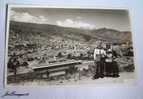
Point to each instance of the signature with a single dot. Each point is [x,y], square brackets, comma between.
[14,93]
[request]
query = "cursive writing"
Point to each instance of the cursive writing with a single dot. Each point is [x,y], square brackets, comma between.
[14,93]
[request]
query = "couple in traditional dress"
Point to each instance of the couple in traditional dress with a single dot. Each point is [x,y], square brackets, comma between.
[104,60]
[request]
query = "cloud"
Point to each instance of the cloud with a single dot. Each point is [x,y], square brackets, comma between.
[27,17]
[78,17]
[75,24]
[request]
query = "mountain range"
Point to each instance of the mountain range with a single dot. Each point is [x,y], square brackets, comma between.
[86,35]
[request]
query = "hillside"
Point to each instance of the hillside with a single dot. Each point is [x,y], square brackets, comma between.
[27,30]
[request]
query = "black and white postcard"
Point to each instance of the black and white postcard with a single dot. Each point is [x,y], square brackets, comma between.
[68,46]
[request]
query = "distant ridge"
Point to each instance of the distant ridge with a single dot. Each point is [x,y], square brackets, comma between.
[48,30]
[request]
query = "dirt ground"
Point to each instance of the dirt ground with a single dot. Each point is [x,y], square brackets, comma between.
[125,78]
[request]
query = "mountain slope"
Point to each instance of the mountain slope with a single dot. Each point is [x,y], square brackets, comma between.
[48,30]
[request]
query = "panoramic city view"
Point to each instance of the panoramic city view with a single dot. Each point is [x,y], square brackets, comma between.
[60,46]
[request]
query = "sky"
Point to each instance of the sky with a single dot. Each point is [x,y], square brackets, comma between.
[77,18]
